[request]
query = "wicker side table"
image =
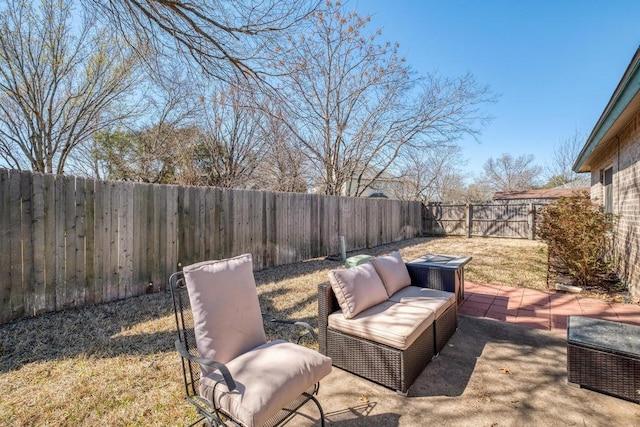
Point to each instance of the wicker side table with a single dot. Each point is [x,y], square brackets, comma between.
[442,272]
[604,356]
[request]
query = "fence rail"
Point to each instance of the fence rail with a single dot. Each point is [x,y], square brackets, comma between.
[485,219]
[70,241]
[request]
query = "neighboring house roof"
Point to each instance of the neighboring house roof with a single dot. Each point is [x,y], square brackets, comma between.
[622,107]
[550,193]
[379,195]
[384,177]
[386,185]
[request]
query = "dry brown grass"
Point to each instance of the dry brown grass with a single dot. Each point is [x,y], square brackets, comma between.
[114,364]
[511,262]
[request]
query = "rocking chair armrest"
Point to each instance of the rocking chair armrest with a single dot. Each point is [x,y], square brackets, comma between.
[226,375]
[299,323]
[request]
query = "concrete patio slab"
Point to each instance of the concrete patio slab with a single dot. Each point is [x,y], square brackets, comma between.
[491,373]
[506,365]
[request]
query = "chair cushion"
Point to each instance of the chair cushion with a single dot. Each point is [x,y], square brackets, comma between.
[431,299]
[390,323]
[226,314]
[357,288]
[267,379]
[392,271]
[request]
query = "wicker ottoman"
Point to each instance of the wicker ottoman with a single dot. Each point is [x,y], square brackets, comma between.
[604,356]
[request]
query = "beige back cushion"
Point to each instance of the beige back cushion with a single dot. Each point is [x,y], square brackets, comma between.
[226,313]
[357,288]
[392,271]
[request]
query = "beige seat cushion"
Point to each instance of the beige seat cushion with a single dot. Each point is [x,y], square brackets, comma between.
[226,313]
[392,271]
[390,323]
[357,288]
[431,299]
[267,379]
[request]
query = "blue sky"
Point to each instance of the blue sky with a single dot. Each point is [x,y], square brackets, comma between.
[554,64]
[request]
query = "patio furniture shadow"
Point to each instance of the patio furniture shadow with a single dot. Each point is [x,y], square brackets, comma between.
[511,345]
[492,373]
[360,415]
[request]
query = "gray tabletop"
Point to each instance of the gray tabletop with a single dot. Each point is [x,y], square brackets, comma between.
[613,336]
[438,260]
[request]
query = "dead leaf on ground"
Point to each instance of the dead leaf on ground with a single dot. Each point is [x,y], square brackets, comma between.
[505,371]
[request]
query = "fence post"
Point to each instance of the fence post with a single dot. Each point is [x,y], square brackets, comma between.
[532,221]
[469,220]
[427,219]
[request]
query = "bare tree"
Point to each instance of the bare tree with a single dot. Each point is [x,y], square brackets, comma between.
[157,146]
[161,155]
[225,38]
[507,173]
[354,105]
[193,133]
[60,82]
[559,170]
[476,192]
[454,188]
[433,175]
[283,166]
[233,144]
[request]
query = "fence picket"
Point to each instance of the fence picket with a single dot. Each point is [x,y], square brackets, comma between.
[5,259]
[69,284]
[125,236]
[49,251]
[80,240]
[26,242]
[89,242]
[15,250]
[154,206]
[101,227]
[171,238]
[38,248]
[113,282]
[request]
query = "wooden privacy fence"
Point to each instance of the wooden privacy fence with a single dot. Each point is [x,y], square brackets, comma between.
[70,241]
[515,220]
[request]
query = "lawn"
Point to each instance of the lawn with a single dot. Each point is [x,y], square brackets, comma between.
[114,364]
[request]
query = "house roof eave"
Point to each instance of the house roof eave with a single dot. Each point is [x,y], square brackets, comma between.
[626,94]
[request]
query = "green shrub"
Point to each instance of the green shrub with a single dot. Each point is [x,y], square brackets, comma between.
[579,235]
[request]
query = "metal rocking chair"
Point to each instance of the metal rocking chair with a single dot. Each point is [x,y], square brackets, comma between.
[245,379]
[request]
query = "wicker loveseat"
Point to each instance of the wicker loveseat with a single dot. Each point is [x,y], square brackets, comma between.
[387,337]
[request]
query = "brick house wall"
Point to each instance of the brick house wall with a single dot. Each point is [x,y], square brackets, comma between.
[624,158]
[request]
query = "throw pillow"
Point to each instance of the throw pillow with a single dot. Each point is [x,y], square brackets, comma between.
[357,288]
[392,271]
